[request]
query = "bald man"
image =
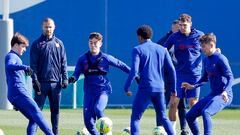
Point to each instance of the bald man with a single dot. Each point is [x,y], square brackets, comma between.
[49,62]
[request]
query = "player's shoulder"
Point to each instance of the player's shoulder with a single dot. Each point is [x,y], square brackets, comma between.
[57,40]
[198,32]
[221,56]
[107,56]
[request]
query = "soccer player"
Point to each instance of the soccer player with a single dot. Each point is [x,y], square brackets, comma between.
[17,92]
[149,61]
[167,80]
[188,67]
[218,72]
[48,60]
[95,66]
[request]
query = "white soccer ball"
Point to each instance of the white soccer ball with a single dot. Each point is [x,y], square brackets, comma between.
[104,125]
[159,130]
[1,132]
[126,131]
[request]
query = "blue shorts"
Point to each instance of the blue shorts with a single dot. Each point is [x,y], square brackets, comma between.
[182,93]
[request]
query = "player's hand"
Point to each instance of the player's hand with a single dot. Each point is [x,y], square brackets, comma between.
[64,85]
[129,93]
[187,86]
[28,71]
[137,79]
[71,79]
[225,96]
[37,87]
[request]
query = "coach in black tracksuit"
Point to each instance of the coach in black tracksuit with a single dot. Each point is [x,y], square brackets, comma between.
[48,60]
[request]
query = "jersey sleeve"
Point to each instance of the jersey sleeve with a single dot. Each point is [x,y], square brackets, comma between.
[64,64]
[11,64]
[169,42]
[134,69]
[226,71]
[118,63]
[170,71]
[78,69]
[34,56]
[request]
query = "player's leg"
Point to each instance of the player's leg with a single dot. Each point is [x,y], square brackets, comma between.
[195,112]
[28,107]
[167,95]
[173,108]
[215,105]
[100,105]
[160,109]
[140,103]
[181,114]
[40,100]
[54,96]
[192,96]
[89,114]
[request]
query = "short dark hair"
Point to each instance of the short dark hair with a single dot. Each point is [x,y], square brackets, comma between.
[185,18]
[96,35]
[207,38]
[145,31]
[19,39]
[48,19]
[175,22]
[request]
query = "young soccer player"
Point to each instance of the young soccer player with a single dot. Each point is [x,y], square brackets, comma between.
[218,72]
[95,66]
[149,61]
[17,92]
[188,67]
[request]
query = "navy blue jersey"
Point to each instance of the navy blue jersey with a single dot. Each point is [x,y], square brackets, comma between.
[149,60]
[48,60]
[98,83]
[218,72]
[187,51]
[15,75]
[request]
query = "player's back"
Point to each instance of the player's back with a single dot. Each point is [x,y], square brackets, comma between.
[151,67]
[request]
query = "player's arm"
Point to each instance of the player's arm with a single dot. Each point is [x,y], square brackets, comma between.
[11,64]
[64,67]
[169,42]
[118,63]
[77,72]
[201,82]
[34,58]
[170,71]
[134,71]
[227,72]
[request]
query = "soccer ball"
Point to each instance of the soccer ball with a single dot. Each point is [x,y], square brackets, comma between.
[104,125]
[84,131]
[159,130]
[1,132]
[126,131]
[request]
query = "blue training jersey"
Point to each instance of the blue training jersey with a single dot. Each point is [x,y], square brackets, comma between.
[187,51]
[48,60]
[15,75]
[149,61]
[218,72]
[98,83]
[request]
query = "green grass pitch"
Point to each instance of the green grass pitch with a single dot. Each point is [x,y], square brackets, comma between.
[226,122]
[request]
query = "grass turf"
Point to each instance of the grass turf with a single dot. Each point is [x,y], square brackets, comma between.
[14,123]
